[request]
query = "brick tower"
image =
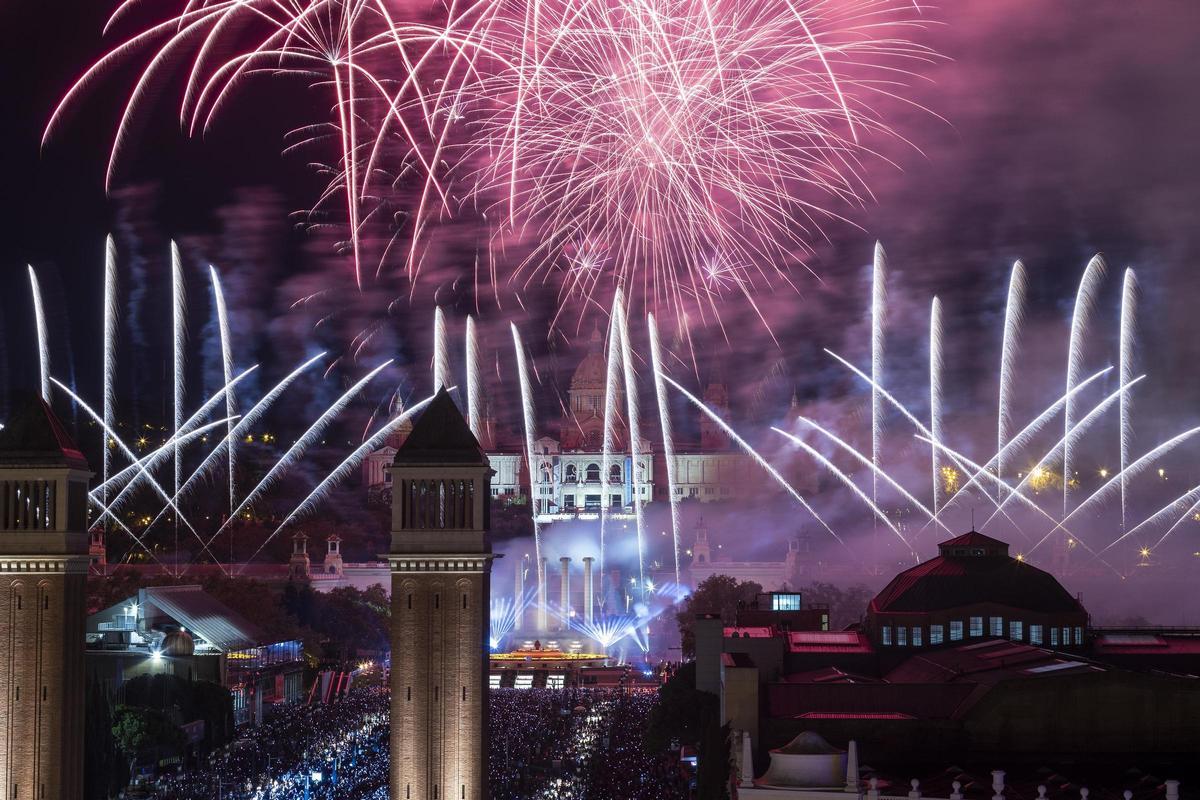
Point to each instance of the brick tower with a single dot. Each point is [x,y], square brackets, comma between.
[441,565]
[43,569]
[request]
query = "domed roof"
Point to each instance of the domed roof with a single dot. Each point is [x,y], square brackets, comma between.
[974,568]
[178,644]
[592,372]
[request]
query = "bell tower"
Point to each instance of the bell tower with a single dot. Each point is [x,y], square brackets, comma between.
[441,561]
[43,569]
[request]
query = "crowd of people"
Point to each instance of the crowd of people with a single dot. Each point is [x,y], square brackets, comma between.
[546,744]
[320,752]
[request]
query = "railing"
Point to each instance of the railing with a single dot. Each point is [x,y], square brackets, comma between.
[1171,787]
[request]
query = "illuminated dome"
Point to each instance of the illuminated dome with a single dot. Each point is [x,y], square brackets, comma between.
[592,371]
[178,644]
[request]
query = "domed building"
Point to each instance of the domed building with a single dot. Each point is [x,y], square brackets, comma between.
[974,589]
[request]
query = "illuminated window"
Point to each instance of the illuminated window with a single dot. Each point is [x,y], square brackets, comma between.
[785,602]
[494,680]
[1016,630]
[1079,636]
[902,636]
[956,630]
[935,634]
[556,681]
[916,636]
[1053,636]
[976,626]
[1066,636]
[1035,634]
[887,634]
[997,626]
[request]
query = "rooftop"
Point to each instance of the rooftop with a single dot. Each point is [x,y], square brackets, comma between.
[441,436]
[35,436]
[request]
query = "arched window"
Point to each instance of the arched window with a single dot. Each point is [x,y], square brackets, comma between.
[572,473]
[614,473]
[593,473]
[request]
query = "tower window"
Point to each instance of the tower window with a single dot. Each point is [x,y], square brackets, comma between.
[408,694]
[410,602]
[436,694]
[464,601]
[437,601]
[46,601]
[464,694]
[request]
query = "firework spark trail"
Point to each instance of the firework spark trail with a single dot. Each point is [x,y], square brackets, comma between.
[441,351]
[529,418]
[669,136]
[1014,313]
[128,453]
[902,409]
[505,616]
[1010,492]
[1128,344]
[230,398]
[1078,429]
[43,343]
[345,468]
[1016,443]
[866,462]
[1085,301]
[612,380]
[474,381]
[633,425]
[178,339]
[664,418]
[935,399]
[1137,466]
[302,444]
[608,630]
[878,321]
[108,407]
[762,462]
[1191,496]
[179,438]
[848,482]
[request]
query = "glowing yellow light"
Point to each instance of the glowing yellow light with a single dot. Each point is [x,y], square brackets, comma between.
[1020,556]
[950,480]
[1162,473]
[1103,472]
[1145,551]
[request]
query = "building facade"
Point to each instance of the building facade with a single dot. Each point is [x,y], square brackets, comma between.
[440,560]
[571,477]
[43,568]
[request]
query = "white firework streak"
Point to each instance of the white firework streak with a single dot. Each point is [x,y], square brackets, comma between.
[227,365]
[633,424]
[612,378]
[474,381]
[762,462]
[1128,343]
[43,344]
[1014,314]
[935,398]
[110,357]
[1085,301]
[529,419]
[302,444]
[345,468]
[664,418]
[878,320]
[441,355]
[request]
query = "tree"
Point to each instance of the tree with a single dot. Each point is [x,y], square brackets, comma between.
[139,731]
[712,768]
[716,594]
[103,775]
[681,712]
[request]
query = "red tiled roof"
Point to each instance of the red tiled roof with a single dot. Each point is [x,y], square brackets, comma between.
[974,539]
[949,582]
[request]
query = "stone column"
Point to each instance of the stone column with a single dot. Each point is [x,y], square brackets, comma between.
[542,625]
[588,590]
[564,591]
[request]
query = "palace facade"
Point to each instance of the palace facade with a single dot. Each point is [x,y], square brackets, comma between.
[571,476]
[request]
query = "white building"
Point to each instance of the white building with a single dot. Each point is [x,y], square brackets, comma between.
[570,479]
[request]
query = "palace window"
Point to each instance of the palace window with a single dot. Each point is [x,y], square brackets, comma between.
[614,473]
[1079,636]
[935,634]
[916,636]
[593,473]
[956,630]
[569,500]
[997,626]
[1053,636]
[886,634]
[976,626]
[902,636]
[572,473]
[1016,630]
[1035,634]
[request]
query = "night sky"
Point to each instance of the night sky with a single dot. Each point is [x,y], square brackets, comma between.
[1047,130]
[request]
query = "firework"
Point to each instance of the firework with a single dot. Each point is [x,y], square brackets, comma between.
[688,148]
[529,418]
[43,344]
[664,419]
[935,399]
[1014,310]
[1129,294]
[1085,301]
[227,368]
